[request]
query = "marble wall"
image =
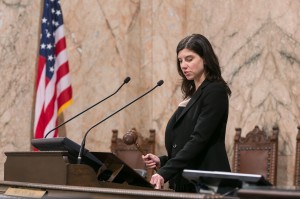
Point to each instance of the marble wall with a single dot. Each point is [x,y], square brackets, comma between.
[257,43]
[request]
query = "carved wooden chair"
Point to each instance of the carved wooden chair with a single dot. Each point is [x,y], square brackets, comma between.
[130,154]
[256,153]
[297,161]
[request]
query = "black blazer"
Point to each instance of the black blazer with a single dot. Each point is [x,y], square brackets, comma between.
[195,134]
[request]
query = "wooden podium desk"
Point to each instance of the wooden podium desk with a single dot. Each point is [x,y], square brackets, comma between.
[54,174]
[269,192]
[76,192]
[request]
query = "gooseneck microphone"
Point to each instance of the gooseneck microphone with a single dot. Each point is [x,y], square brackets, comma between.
[159,83]
[126,80]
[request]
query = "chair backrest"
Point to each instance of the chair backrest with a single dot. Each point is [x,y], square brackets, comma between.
[130,154]
[297,160]
[256,153]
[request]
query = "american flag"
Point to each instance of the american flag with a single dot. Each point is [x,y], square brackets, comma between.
[53,85]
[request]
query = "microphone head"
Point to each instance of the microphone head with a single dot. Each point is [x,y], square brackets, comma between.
[126,80]
[160,82]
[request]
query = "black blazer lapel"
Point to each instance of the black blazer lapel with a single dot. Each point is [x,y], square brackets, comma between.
[193,99]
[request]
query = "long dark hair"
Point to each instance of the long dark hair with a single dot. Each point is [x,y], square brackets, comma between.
[200,45]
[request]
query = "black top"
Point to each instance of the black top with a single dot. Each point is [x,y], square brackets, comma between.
[195,136]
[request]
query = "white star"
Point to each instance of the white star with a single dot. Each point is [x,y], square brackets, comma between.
[50,58]
[51,69]
[58,12]
[43,46]
[44,20]
[49,46]
[48,35]
[52,10]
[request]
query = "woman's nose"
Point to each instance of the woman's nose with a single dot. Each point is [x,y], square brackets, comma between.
[183,65]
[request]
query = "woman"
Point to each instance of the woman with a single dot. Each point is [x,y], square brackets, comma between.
[195,134]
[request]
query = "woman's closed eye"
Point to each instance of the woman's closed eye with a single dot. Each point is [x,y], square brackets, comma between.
[189,59]
[186,59]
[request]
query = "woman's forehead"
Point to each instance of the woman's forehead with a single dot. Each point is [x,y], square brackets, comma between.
[185,52]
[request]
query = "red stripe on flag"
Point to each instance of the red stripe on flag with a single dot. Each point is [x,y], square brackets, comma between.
[40,128]
[60,46]
[49,110]
[41,65]
[64,96]
[63,70]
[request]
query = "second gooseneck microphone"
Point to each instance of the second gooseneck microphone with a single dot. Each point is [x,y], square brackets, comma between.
[159,83]
[126,80]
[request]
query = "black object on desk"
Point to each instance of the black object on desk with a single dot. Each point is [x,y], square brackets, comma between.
[226,183]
